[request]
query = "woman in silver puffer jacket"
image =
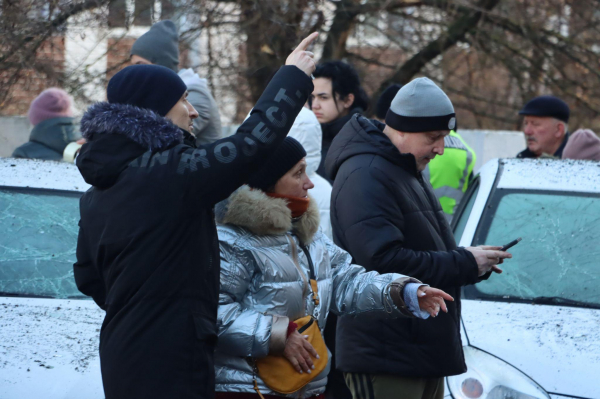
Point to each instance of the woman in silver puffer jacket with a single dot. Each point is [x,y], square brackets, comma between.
[269,237]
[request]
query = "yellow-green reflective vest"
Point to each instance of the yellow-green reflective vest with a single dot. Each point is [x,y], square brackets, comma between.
[449,174]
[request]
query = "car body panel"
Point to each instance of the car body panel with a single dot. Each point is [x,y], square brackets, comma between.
[542,341]
[34,173]
[557,346]
[49,348]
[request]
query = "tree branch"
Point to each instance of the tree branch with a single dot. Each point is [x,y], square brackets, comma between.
[465,23]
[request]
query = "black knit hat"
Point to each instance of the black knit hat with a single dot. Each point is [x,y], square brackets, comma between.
[152,87]
[288,154]
[385,100]
[549,106]
[421,106]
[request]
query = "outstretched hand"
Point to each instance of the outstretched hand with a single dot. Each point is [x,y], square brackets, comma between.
[302,58]
[431,300]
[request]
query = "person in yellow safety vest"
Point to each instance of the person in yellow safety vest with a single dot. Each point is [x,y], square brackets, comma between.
[450,173]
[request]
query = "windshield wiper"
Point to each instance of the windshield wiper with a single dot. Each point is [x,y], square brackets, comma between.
[557,300]
[541,300]
[17,295]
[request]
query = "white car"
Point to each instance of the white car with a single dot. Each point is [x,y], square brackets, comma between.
[49,332]
[533,331]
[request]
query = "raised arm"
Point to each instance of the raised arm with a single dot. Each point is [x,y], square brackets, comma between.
[216,170]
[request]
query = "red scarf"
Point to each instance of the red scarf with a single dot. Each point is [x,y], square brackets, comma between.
[297,205]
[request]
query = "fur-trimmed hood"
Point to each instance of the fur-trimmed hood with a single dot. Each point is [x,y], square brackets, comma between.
[117,134]
[263,215]
[144,126]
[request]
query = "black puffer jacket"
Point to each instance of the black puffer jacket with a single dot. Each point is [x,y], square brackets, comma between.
[148,251]
[388,218]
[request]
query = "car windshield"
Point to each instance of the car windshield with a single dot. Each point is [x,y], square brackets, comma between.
[38,237]
[558,261]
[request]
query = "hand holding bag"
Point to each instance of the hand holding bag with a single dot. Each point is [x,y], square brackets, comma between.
[276,371]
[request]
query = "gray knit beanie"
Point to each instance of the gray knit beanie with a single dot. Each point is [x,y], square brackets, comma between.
[421,106]
[160,45]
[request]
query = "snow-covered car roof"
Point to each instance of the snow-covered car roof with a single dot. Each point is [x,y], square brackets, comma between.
[17,172]
[546,174]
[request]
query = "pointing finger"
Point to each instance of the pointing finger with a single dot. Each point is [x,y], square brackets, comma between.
[307,42]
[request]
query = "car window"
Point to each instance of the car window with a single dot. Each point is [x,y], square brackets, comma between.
[559,256]
[463,212]
[38,237]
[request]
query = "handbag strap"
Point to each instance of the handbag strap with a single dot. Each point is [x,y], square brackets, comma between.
[313,278]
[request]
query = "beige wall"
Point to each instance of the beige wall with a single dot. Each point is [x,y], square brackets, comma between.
[14,131]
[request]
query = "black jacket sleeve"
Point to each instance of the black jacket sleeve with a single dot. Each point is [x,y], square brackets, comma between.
[216,170]
[87,278]
[369,223]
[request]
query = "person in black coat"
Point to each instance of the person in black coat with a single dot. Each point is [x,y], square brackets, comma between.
[387,217]
[337,96]
[147,250]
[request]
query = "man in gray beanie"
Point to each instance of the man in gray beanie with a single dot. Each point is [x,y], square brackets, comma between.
[387,216]
[160,46]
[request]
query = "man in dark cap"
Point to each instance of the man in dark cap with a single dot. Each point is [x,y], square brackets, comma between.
[160,46]
[385,214]
[545,125]
[147,251]
[449,173]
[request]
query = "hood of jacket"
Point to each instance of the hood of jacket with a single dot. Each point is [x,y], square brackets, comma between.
[365,136]
[331,129]
[55,133]
[192,80]
[263,215]
[307,130]
[117,134]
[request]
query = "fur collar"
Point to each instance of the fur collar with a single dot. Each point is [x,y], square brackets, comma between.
[144,126]
[264,215]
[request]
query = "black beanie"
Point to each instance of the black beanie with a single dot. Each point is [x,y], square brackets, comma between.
[385,100]
[160,45]
[152,87]
[288,154]
[549,106]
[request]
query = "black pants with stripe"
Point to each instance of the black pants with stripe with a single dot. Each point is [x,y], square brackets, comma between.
[379,386]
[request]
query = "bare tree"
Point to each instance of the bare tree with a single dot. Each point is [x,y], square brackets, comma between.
[490,55]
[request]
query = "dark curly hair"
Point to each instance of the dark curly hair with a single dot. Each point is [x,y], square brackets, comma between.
[344,81]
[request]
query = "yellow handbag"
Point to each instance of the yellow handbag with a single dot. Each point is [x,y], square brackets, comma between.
[277,372]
